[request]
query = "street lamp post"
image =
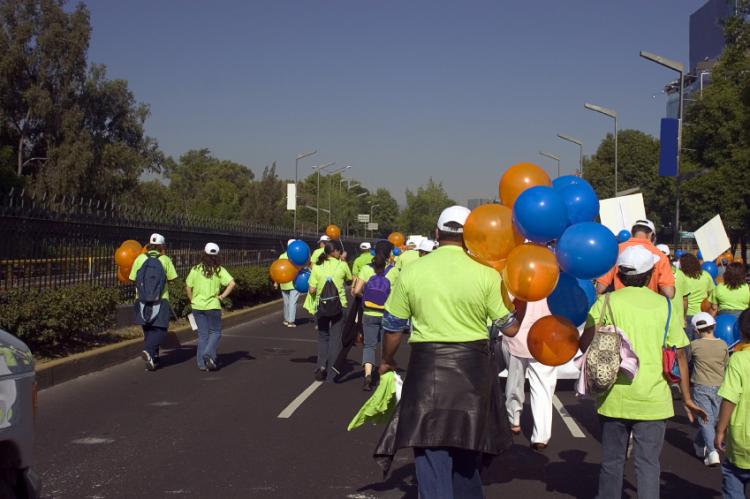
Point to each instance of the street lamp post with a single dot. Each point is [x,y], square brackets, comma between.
[680,68]
[371,207]
[612,114]
[552,156]
[317,196]
[330,187]
[296,181]
[580,149]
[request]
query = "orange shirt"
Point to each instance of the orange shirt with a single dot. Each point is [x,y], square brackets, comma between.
[662,275]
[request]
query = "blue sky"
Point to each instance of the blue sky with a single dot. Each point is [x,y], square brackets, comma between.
[403,90]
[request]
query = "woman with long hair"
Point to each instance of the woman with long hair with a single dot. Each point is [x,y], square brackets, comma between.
[331,267]
[699,285]
[204,284]
[373,308]
[733,295]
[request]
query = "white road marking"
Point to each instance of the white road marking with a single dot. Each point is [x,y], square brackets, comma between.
[575,430]
[163,403]
[294,405]
[92,441]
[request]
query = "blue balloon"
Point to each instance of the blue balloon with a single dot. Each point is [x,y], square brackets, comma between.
[623,235]
[699,255]
[301,282]
[298,252]
[561,183]
[678,253]
[540,214]
[396,251]
[727,329]
[572,298]
[712,269]
[581,202]
[587,250]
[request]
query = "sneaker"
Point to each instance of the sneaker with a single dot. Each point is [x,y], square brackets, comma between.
[367,384]
[285,323]
[291,324]
[203,369]
[150,366]
[712,459]
[320,374]
[210,363]
[538,446]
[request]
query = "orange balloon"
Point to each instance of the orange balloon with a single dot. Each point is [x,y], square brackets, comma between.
[132,243]
[123,274]
[518,178]
[489,233]
[531,272]
[283,271]
[397,239]
[125,256]
[553,340]
[498,265]
[333,232]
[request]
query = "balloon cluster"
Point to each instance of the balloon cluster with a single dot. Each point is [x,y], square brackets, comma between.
[293,268]
[545,242]
[125,255]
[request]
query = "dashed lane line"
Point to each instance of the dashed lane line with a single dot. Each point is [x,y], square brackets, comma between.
[575,430]
[294,405]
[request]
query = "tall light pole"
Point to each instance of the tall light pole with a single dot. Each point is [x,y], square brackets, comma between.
[580,149]
[318,168]
[552,156]
[371,207]
[612,114]
[296,181]
[680,68]
[330,187]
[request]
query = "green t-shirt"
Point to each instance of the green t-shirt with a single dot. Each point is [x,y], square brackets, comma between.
[335,269]
[315,255]
[287,286]
[168,269]
[362,260]
[736,389]
[206,289]
[731,299]
[680,292]
[366,272]
[406,258]
[698,289]
[642,315]
[448,297]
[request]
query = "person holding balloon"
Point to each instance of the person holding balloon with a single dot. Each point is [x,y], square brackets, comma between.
[364,258]
[733,295]
[699,285]
[643,405]
[289,293]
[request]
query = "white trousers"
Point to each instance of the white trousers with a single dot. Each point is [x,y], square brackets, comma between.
[542,382]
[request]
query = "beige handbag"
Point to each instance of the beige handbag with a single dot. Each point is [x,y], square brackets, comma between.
[603,355]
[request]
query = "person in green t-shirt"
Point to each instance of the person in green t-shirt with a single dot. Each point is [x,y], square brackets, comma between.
[154,333]
[447,412]
[733,295]
[640,406]
[203,286]
[734,415]
[373,310]
[330,265]
[408,257]
[289,295]
[699,286]
[363,259]
[311,303]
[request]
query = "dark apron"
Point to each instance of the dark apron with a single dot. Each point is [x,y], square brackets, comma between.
[451,398]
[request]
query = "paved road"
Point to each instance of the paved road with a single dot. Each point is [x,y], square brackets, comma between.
[127,433]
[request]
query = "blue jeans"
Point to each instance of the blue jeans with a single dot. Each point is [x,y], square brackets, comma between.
[329,344]
[648,439]
[373,333]
[209,332]
[448,473]
[152,338]
[735,481]
[290,304]
[708,399]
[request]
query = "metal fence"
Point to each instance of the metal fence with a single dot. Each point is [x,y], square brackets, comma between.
[63,241]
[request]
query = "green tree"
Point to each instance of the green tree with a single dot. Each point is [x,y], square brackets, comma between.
[386,213]
[266,203]
[423,208]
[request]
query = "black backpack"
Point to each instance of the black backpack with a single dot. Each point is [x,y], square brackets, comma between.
[149,283]
[330,301]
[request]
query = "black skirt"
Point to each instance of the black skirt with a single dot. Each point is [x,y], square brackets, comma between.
[451,398]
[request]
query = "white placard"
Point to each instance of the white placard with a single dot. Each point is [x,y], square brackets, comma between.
[191,320]
[621,212]
[712,239]
[291,197]
[363,218]
[372,226]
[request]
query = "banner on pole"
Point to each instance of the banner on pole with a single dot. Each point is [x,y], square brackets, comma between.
[668,144]
[291,197]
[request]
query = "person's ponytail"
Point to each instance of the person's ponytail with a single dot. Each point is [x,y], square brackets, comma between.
[382,254]
[328,250]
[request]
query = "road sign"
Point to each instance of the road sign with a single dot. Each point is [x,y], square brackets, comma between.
[372,226]
[363,218]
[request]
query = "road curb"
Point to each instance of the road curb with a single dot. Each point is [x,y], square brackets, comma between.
[61,370]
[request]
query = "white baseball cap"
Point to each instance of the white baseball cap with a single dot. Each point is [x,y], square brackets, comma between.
[411,242]
[663,248]
[212,249]
[365,246]
[156,239]
[454,215]
[426,245]
[324,238]
[646,223]
[290,242]
[636,260]
[702,320]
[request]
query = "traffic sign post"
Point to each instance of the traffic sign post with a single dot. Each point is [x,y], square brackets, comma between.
[363,218]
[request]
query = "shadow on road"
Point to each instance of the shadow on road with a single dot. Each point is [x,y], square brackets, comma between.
[403,479]
[227,359]
[176,356]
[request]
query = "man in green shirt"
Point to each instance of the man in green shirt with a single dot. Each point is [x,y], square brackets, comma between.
[290,295]
[447,411]
[154,334]
[640,406]
[363,259]
[321,247]
[409,256]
